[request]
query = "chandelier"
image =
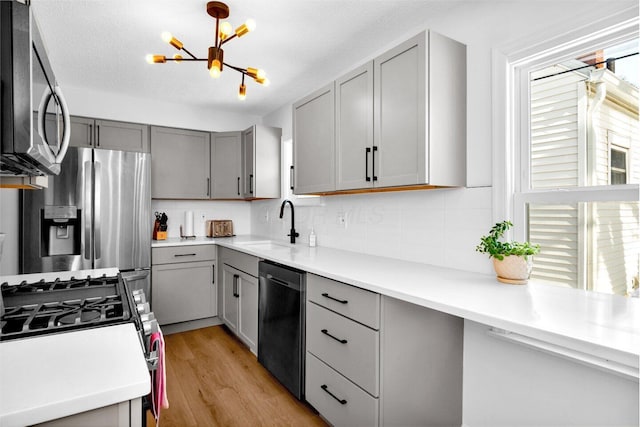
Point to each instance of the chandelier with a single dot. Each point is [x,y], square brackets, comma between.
[215,57]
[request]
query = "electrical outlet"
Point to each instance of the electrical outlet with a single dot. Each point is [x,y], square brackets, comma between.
[342,220]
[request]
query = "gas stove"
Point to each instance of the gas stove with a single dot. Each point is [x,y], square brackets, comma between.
[35,308]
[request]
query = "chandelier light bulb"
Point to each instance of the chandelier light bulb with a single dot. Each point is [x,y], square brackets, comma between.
[156,59]
[261,74]
[225,29]
[242,92]
[177,57]
[214,71]
[166,36]
[248,26]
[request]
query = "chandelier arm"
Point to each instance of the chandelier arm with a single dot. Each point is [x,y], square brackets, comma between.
[227,39]
[185,59]
[189,53]
[238,69]
[217,45]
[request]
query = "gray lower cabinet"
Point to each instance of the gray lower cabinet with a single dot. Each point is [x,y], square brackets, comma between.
[343,352]
[261,162]
[180,166]
[314,142]
[226,165]
[373,360]
[109,135]
[239,295]
[183,283]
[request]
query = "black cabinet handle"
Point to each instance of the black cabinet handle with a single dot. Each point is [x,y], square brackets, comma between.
[367,150]
[238,186]
[177,255]
[90,140]
[251,184]
[341,301]
[373,162]
[235,286]
[213,266]
[341,341]
[326,390]
[291,177]
[208,186]
[97,135]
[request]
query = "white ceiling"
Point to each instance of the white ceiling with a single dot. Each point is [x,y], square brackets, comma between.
[302,44]
[101,44]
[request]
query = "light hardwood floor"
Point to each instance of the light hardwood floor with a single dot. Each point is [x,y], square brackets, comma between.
[214,380]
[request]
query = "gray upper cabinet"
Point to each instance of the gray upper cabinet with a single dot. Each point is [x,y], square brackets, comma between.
[314,142]
[180,165]
[354,129]
[109,135]
[261,162]
[226,165]
[420,113]
[400,120]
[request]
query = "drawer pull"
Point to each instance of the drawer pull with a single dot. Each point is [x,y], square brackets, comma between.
[177,255]
[341,301]
[343,341]
[326,389]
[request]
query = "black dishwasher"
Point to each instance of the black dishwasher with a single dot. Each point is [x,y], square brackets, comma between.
[281,324]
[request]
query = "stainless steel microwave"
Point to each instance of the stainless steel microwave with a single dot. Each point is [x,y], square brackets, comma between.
[34,119]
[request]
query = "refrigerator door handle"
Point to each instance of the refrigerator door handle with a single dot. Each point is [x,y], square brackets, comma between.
[86,171]
[96,206]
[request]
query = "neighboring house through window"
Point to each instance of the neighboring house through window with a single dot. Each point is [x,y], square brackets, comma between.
[576,185]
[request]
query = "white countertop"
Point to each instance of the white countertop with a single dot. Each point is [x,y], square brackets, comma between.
[603,325]
[57,375]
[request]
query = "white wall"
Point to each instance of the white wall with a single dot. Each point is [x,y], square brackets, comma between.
[509,385]
[9,225]
[203,210]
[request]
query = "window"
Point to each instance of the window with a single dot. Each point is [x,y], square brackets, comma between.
[618,165]
[577,190]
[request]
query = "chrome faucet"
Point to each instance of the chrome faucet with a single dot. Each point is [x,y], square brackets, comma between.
[292,233]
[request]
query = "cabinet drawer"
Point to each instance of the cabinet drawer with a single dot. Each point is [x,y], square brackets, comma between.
[188,253]
[240,261]
[348,347]
[358,304]
[350,407]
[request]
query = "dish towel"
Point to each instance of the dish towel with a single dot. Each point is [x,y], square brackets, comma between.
[158,377]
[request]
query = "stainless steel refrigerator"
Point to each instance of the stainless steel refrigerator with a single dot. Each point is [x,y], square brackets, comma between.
[95,214]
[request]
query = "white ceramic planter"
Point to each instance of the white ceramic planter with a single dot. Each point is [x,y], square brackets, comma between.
[513,269]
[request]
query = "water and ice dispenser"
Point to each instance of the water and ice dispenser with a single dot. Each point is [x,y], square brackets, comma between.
[60,230]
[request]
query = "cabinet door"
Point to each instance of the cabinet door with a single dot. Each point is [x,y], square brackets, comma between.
[226,165]
[111,135]
[248,311]
[230,295]
[248,162]
[179,164]
[399,114]
[184,291]
[314,142]
[354,129]
[82,134]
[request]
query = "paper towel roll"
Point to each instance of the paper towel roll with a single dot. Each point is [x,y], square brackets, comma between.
[188,223]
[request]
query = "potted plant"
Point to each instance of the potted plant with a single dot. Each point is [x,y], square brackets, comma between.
[511,260]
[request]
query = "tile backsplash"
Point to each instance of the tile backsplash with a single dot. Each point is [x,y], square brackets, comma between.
[203,210]
[439,227]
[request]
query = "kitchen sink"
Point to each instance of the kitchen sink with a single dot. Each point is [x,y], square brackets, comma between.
[266,245]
